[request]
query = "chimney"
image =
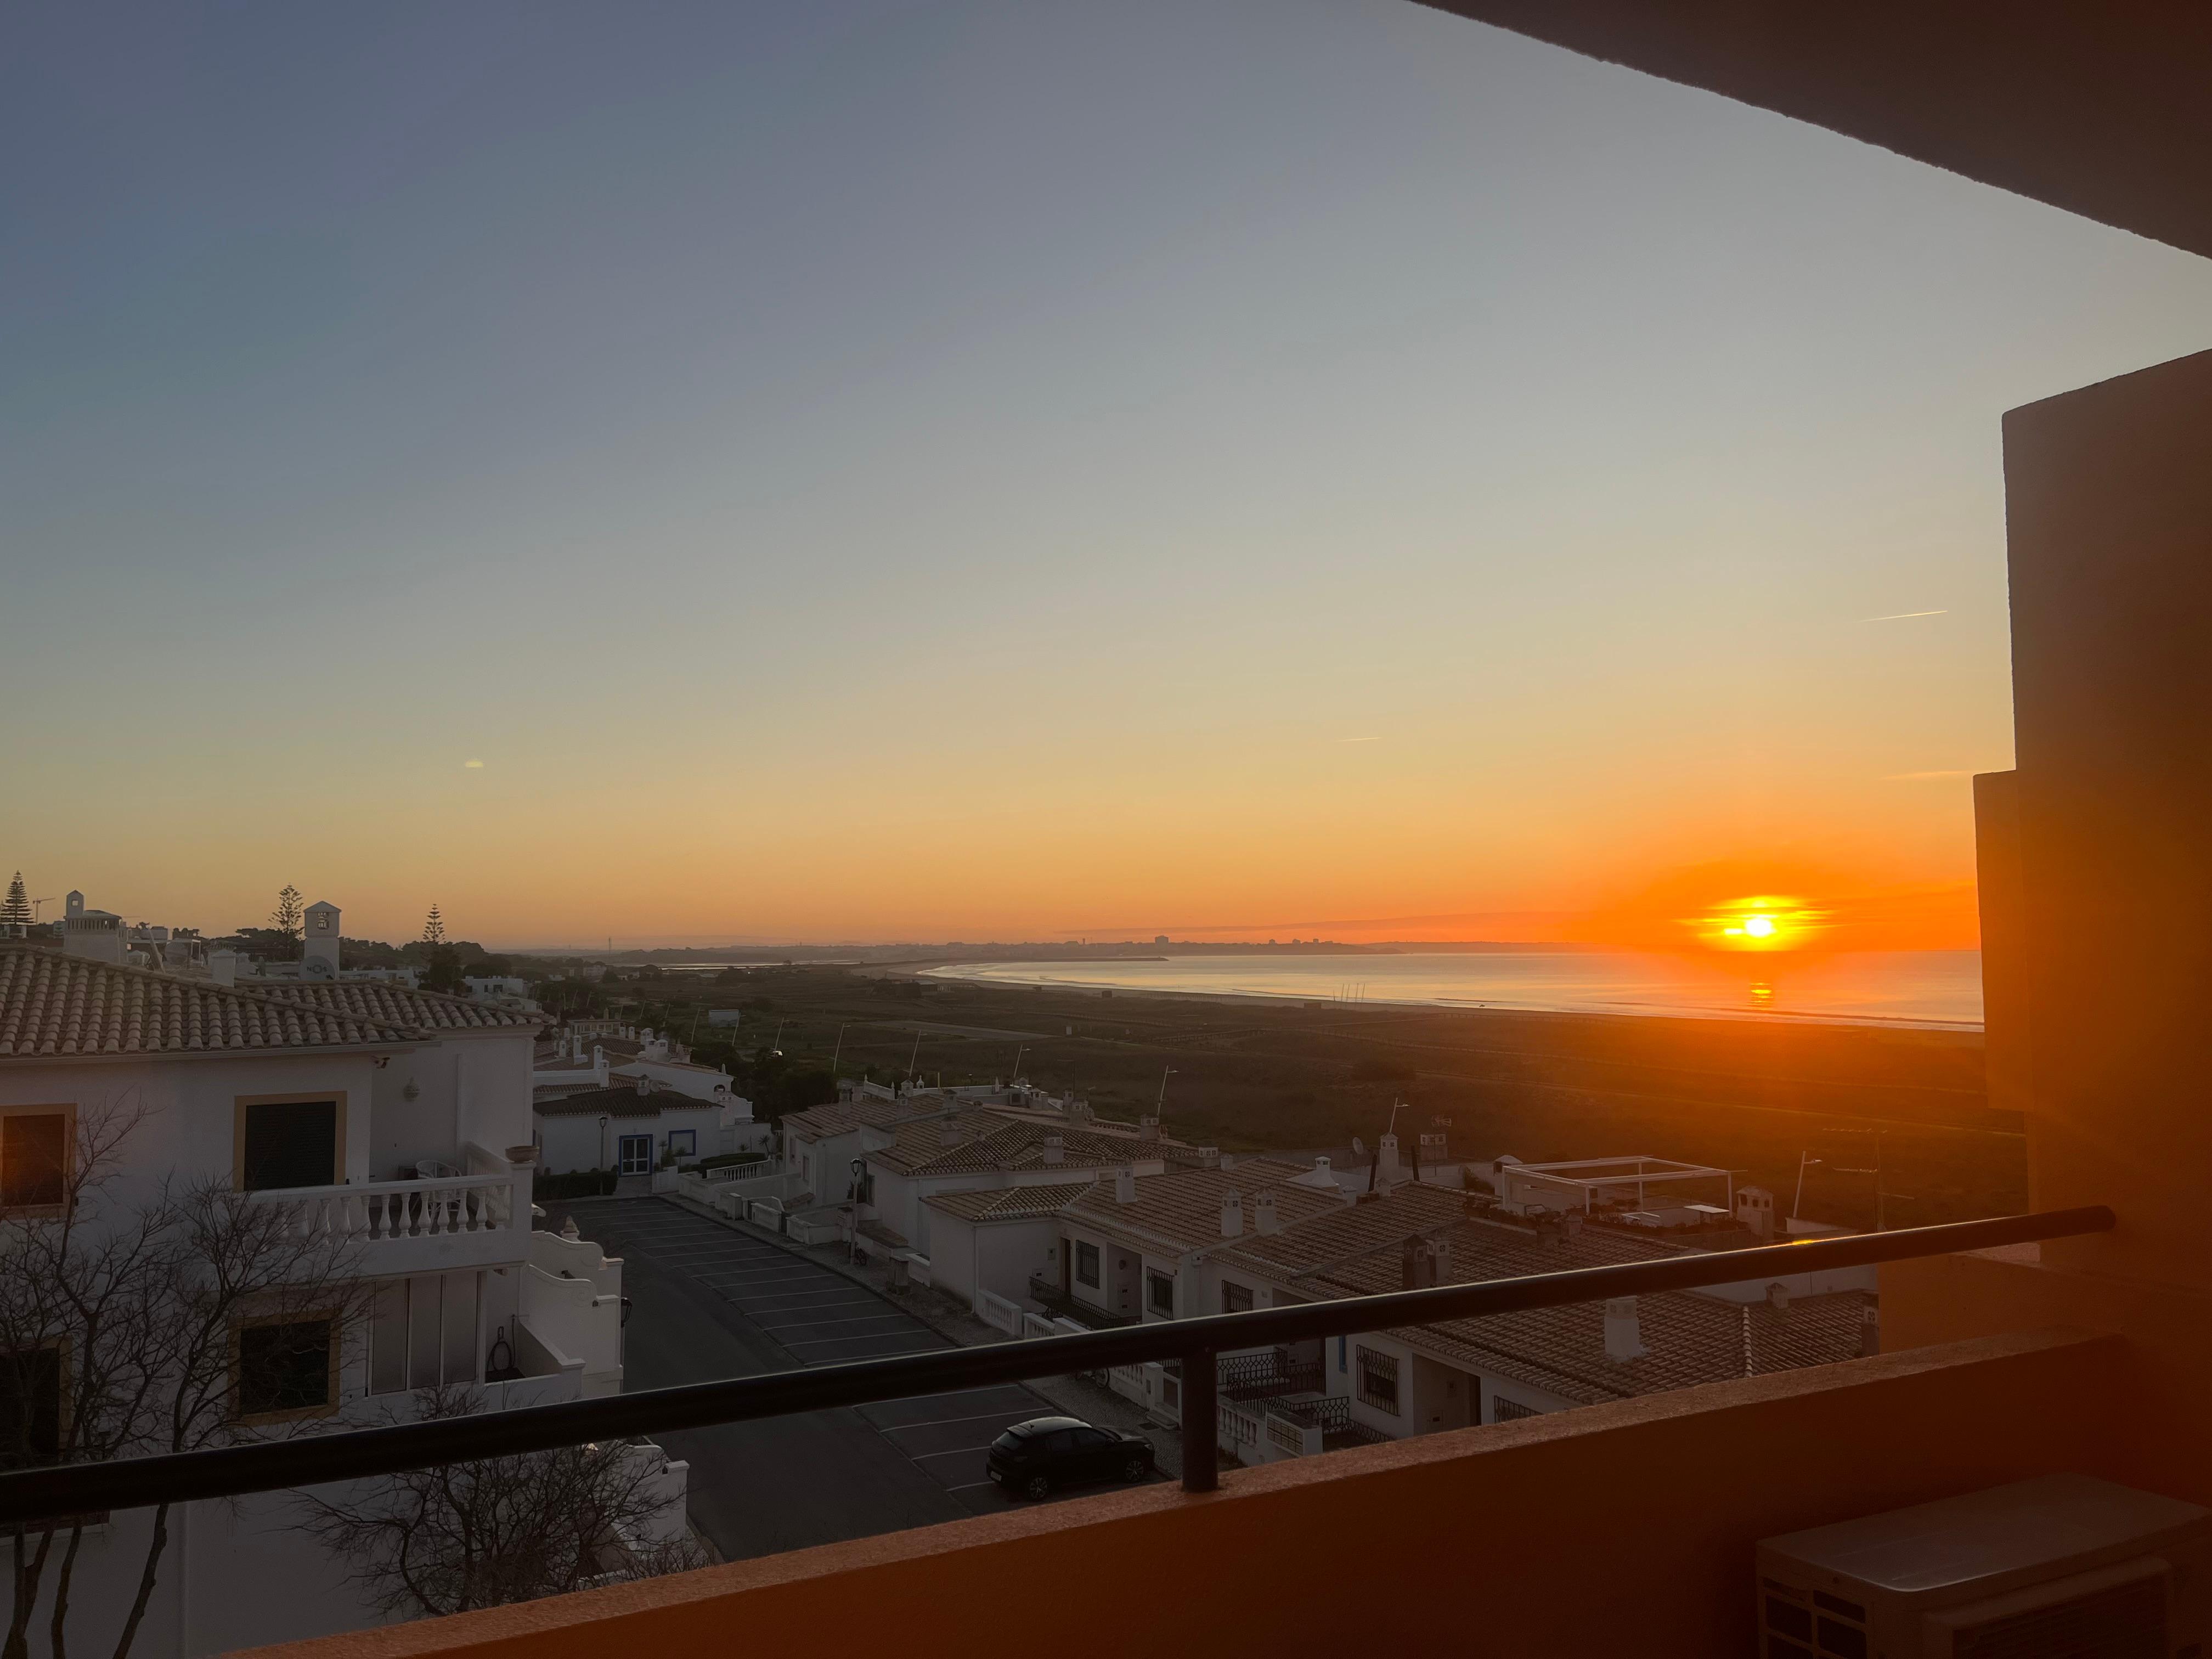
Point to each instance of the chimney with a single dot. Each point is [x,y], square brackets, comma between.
[1624,1331]
[320,939]
[1572,1221]
[644,1084]
[1321,1167]
[1263,1214]
[1209,1158]
[1125,1185]
[1778,1296]
[1754,1208]
[1389,1158]
[1440,1253]
[1148,1128]
[222,966]
[1232,1215]
[1411,1266]
[1055,1149]
[1870,1328]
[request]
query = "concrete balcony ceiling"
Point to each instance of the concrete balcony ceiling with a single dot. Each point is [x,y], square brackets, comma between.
[2100,109]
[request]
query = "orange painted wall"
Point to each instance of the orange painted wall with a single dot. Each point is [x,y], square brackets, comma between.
[2108,500]
[1616,1528]
[2154,1377]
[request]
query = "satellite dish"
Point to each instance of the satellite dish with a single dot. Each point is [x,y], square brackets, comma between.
[1358,1145]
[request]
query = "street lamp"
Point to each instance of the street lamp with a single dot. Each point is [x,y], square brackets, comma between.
[860,1174]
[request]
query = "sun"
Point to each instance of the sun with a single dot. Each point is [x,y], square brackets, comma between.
[1764,921]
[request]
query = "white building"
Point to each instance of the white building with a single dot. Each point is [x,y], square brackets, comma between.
[395,1123]
[636,1128]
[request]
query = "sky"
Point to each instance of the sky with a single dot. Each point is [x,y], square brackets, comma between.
[689,473]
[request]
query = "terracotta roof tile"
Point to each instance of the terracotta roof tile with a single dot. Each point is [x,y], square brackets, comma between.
[1689,1338]
[1182,1207]
[392,1004]
[53,1006]
[1009,1203]
[625,1101]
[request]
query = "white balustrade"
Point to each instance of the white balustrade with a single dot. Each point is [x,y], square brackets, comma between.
[379,1210]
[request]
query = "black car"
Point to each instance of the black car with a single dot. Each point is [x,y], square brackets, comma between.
[1032,1458]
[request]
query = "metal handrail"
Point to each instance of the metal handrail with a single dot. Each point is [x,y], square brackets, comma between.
[32,1495]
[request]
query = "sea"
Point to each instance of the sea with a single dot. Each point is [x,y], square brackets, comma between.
[1932,989]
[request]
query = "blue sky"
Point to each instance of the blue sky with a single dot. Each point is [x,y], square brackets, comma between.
[941,469]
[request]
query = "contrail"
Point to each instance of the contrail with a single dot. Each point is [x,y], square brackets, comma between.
[1903,615]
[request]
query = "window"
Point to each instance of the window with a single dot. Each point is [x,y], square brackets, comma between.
[284,1368]
[1087,1265]
[1378,1380]
[34,1159]
[30,1408]
[1502,1410]
[423,1332]
[1160,1287]
[685,1143]
[1235,1298]
[288,1142]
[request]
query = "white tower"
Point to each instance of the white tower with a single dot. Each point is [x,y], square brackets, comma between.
[320,960]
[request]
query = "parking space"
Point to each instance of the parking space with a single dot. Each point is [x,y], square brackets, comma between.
[948,1436]
[784,1312]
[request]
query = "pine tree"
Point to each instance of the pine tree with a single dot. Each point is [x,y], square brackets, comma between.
[16,907]
[291,912]
[434,928]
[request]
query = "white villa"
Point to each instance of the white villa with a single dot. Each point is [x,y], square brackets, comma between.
[393,1122]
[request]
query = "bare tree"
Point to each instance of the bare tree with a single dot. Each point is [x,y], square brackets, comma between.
[500,1530]
[290,913]
[122,1334]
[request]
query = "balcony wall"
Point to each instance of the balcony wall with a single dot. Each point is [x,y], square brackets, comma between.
[393,1228]
[1625,1527]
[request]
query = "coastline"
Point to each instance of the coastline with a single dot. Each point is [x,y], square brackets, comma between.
[992,974]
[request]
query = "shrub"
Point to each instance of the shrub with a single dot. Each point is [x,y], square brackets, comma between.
[581,1184]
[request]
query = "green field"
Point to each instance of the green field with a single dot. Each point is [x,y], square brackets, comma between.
[1254,1075]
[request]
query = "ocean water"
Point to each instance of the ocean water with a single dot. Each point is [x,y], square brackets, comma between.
[1935,988]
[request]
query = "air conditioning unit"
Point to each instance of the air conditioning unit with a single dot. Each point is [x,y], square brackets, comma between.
[2064,1565]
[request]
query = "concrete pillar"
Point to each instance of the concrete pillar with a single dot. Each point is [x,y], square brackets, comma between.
[2102,975]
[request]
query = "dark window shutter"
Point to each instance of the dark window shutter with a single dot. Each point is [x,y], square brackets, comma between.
[34,1159]
[291,1143]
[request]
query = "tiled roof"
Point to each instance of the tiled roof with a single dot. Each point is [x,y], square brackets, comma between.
[1690,1339]
[394,1004]
[1009,1203]
[988,1140]
[621,1102]
[53,1006]
[1181,1208]
[843,1117]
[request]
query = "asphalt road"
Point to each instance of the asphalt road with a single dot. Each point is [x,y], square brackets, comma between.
[707,1302]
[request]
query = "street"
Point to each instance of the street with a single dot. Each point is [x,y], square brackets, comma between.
[709,1301]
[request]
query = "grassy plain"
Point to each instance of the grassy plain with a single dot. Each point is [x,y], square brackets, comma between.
[1253,1074]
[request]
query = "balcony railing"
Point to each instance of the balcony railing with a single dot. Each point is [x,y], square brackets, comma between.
[1047,1293]
[35,1495]
[1268,1377]
[378,1211]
